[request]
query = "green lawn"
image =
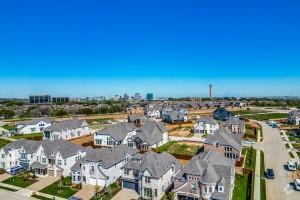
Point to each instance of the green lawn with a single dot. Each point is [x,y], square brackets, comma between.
[3,142]
[109,192]
[246,112]
[179,148]
[263,195]
[65,192]
[19,181]
[240,187]
[9,127]
[250,159]
[267,116]
[32,136]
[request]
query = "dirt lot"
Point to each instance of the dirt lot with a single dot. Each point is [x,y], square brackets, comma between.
[183,130]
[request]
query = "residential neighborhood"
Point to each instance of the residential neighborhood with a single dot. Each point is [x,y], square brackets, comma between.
[150,100]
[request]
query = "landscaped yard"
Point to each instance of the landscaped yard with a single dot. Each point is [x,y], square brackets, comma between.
[240,187]
[60,188]
[250,159]
[263,195]
[3,142]
[179,148]
[9,127]
[267,116]
[109,192]
[19,181]
[32,136]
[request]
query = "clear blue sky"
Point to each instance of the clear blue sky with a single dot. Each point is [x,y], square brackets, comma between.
[170,48]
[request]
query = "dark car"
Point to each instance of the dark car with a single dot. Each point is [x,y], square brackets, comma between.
[270,174]
[74,198]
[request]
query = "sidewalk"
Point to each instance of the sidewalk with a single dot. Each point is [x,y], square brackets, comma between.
[257,177]
[291,148]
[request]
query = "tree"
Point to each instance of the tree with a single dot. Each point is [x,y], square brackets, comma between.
[7,114]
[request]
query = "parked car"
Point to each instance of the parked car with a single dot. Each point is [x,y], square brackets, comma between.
[291,166]
[297,184]
[16,169]
[249,142]
[270,174]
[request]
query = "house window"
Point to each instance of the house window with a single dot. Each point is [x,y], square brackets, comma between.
[98,142]
[59,162]
[126,172]
[65,162]
[3,155]
[147,192]
[221,189]
[155,192]
[193,186]
[147,179]
[210,189]
[43,160]
[130,144]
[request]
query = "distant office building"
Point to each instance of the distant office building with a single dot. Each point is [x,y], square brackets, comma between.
[60,99]
[149,97]
[39,99]
[126,97]
[117,97]
[137,96]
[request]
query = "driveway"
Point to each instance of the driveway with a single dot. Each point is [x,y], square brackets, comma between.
[126,194]
[42,183]
[275,157]
[86,193]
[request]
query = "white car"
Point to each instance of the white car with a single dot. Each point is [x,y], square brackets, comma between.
[291,166]
[249,142]
[297,184]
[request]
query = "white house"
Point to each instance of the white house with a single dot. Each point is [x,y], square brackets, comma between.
[114,135]
[101,166]
[150,174]
[34,125]
[66,130]
[206,125]
[46,158]
[150,134]
[153,112]
[294,117]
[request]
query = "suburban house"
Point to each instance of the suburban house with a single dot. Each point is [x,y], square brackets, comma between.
[153,112]
[150,135]
[101,166]
[4,132]
[45,158]
[206,125]
[234,125]
[114,135]
[175,116]
[225,143]
[150,174]
[208,175]
[66,130]
[294,117]
[11,153]
[222,114]
[135,109]
[34,125]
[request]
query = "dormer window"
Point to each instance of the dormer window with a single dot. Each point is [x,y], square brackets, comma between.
[220,189]
[52,153]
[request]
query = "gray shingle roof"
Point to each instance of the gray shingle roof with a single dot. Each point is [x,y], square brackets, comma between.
[210,164]
[37,120]
[207,120]
[225,138]
[118,131]
[234,121]
[134,117]
[156,164]
[222,114]
[150,132]
[294,113]
[30,146]
[105,157]
[66,125]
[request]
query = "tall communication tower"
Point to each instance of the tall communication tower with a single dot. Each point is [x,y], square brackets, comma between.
[210,91]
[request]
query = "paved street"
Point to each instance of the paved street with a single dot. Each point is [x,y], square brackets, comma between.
[275,157]
[4,194]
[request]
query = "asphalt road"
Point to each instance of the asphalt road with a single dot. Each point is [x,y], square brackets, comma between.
[275,157]
[7,195]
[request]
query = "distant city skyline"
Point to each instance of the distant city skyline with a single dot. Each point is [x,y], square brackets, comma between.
[169,48]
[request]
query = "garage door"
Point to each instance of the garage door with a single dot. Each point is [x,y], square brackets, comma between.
[51,172]
[92,181]
[131,185]
[59,173]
